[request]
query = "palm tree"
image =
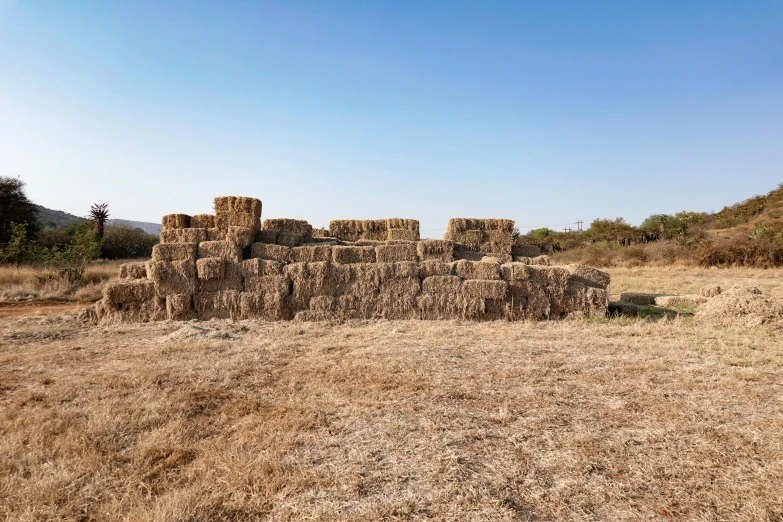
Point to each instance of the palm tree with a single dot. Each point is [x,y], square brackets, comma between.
[99,214]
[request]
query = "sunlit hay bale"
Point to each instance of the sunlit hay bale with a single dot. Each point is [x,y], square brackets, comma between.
[117,294]
[266,236]
[525,250]
[435,249]
[376,229]
[540,261]
[223,249]
[468,240]
[485,289]
[267,284]
[353,254]
[237,219]
[238,204]
[346,229]
[495,247]
[271,252]
[311,254]
[215,234]
[528,300]
[269,307]
[179,307]
[476,270]
[260,267]
[309,280]
[397,252]
[441,297]
[434,268]
[294,228]
[174,251]
[589,276]
[210,268]
[240,236]
[622,309]
[516,272]
[398,298]
[183,235]
[153,309]
[403,224]
[709,290]
[639,299]
[133,270]
[402,234]
[400,269]
[202,221]
[232,279]
[442,284]
[666,301]
[217,305]
[360,305]
[173,277]
[555,281]
[320,233]
[496,258]
[582,300]
[171,221]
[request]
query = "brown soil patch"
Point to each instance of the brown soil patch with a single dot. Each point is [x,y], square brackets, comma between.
[38,308]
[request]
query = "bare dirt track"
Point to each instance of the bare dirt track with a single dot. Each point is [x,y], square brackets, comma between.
[38,308]
[407,420]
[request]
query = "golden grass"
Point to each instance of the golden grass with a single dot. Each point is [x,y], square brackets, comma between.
[597,419]
[29,283]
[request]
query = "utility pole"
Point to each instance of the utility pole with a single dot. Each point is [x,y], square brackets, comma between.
[579,223]
[567,229]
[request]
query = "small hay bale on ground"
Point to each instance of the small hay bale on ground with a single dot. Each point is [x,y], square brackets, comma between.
[133,270]
[179,307]
[666,301]
[171,221]
[223,249]
[311,254]
[118,293]
[397,252]
[639,299]
[271,252]
[202,221]
[173,277]
[476,270]
[174,251]
[211,268]
[710,290]
[353,254]
[623,309]
[589,276]
[183,235]
[435,249]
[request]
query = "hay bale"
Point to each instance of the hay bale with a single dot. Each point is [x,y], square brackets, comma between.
[709,290]
[240,236]
[173,277]
[238,204]
[581,300]
[397,252]
[215,234]
[133,270]
[267,284]
[402,234]
[540,261]
[459,225]
[297,227]
[368,242]
[324,303]
[311,254]
[237,219]
[289,239]
[202,221]
[143,311]
[589,276]
[353,254]
[309,280]
[179,307]
[622,309]
[516,272]
[269,307]
[223,249]
[639,299]
[468,240]
[260,267]
[122,292]
[171,221]
[476,270]
[398,298]
[183,235]
[403,224]
[211,268]
[525,250]
[497,258]
[442,284]
[232,279]
[174,251]
[666,301]
[272,252]
[434,268]
[346,229]
[554,279]
[528,299]
[435,249]
[217,305]
[485,289]
[461,253]
[266,236]
[320,233]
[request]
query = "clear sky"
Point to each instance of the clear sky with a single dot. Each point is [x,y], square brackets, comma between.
[543,112]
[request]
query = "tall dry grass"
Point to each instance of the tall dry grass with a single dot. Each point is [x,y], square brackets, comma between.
[28,282]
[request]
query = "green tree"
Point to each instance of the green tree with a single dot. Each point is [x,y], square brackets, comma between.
[15,208]
[69,261]
[19,247]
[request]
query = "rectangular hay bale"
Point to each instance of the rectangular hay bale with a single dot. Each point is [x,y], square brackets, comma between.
[174,251]
[133,270]
[211,268]
[353,254]
[311,254]
[272,252]
[397,252]
[223,249]
[183,235]
[435,249]
[476,270]
[202,221]
[179,307]
[485,289]
[171,221]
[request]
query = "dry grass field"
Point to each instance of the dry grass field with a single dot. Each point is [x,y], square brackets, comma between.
[610,419]
[28,283]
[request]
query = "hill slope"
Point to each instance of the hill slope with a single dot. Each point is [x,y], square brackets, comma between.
[58,219]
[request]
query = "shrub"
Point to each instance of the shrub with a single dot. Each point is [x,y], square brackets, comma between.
[122,242]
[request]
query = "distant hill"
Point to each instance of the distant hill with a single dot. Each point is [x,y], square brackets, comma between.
[58,219]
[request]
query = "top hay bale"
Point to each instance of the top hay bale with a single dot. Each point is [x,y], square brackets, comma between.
[489,234]
[375,229]
[172,221]
[298,228]
[238,205]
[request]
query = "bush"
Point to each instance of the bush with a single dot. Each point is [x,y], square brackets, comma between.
[122,242]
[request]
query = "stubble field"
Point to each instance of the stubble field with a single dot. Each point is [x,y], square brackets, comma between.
[608,419]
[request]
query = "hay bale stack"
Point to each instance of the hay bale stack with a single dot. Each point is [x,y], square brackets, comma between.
[231,211]
[396,252]
[173,221]
[183,235]
[353,254]
[217,305]
[741,306]
[709,290]
[223,249]
[554,279]
[202,221]
[179,307]
[666,301]
[174,251]
[271,252]
[589,276]
[493,235]
[639,299]
[211,268]
[133,270]
[476,270]
[267,284]
[524,250]
[173,277]
[290,232]
[435,249]
[260,267]
[311,254]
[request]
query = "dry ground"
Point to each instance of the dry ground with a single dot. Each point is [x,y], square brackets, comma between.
[579,420]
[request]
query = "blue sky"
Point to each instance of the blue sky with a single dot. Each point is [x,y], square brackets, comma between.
[542,112]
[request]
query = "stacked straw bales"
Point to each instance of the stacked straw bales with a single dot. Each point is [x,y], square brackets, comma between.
[230,266]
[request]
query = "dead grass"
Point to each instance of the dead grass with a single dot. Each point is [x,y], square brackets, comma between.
[29,283]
